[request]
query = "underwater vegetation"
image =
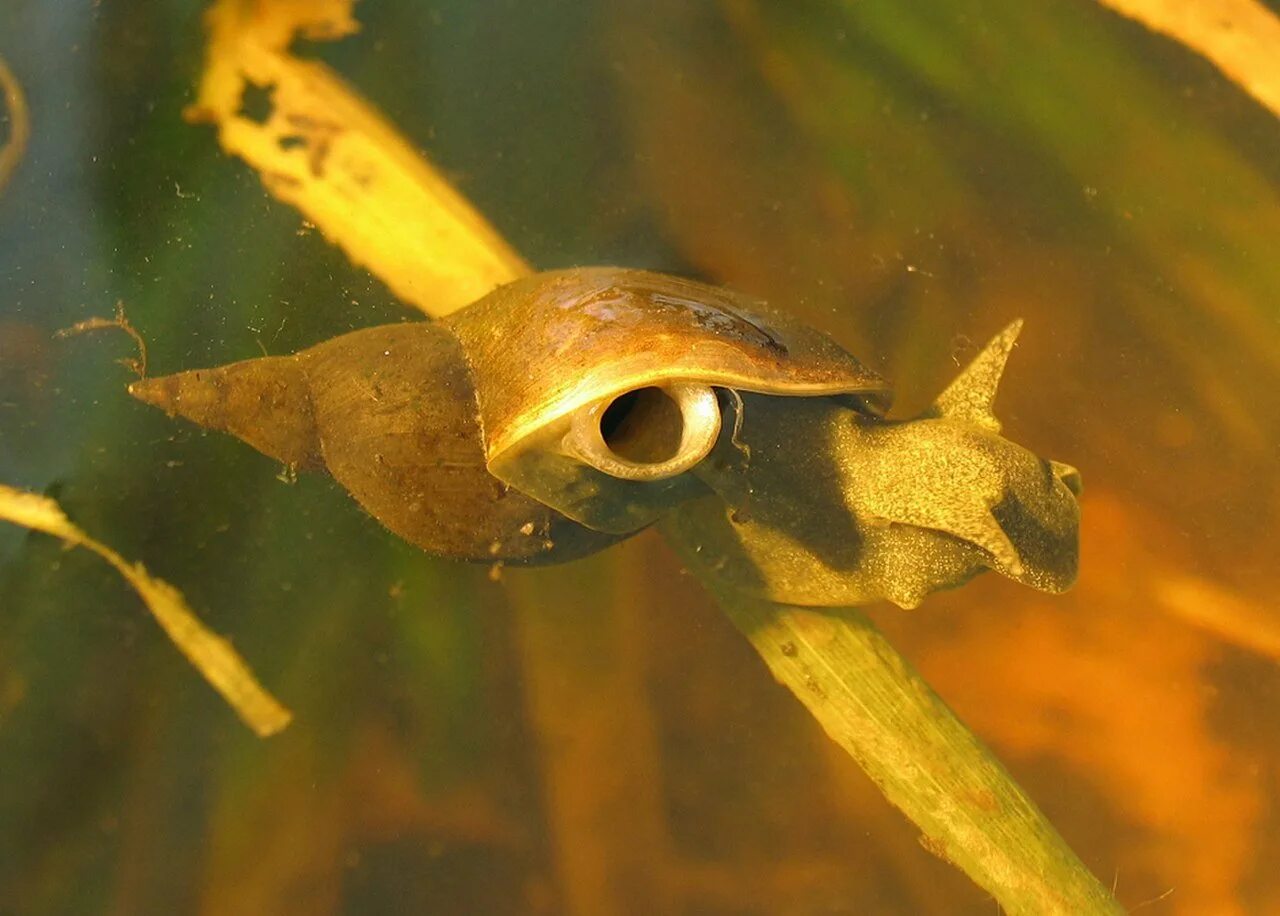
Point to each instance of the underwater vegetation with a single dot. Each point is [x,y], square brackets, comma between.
[586,737]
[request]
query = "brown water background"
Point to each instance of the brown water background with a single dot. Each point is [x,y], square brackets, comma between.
[597,738]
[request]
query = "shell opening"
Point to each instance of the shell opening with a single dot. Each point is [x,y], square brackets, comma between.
[643,426]
[648,433]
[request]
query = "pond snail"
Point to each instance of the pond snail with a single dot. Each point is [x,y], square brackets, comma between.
[571,409]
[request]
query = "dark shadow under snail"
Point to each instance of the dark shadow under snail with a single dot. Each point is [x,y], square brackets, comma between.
[571,409]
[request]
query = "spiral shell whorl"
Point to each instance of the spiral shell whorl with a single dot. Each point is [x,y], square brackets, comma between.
[390,413]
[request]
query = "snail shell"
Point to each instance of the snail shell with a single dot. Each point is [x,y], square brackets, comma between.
[549,419]
[390,413]
[595,386]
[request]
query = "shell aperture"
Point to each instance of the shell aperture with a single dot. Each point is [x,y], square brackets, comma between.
[593,338]
[647,433]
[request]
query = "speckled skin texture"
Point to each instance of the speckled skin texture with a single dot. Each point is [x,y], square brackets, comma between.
[818,503]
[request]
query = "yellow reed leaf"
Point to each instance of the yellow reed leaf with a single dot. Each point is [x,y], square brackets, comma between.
[1240,37]
[213,656]
[320,147]
[1232,617]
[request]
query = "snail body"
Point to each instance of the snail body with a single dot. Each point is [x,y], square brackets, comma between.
[571,409]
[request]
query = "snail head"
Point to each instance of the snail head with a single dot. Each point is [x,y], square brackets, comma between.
[822,503]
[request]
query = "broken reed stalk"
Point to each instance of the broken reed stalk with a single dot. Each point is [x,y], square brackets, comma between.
[871,702]
[211,655]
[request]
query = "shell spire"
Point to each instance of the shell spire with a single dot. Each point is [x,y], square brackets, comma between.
[265,402]
[389,412]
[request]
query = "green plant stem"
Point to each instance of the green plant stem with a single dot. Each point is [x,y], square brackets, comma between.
[872,703]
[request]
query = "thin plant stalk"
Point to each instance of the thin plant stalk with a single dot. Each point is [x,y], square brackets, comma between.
[871,702]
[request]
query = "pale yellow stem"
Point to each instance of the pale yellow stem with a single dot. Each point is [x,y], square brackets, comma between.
[212,656]
[1240,37]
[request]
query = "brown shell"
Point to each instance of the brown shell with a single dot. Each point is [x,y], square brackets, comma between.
[411,418]
[608,330]
[390,413]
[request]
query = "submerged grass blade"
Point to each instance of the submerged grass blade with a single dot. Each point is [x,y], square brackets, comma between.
[873,704]
[1241,38]
[212,656]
